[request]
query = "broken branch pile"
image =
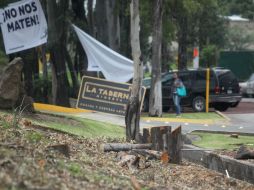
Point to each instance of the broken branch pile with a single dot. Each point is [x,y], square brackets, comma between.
[158,143]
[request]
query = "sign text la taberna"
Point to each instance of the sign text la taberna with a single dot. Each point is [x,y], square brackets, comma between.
[104,96]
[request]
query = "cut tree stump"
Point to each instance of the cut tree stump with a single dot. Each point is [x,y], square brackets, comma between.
[165,145]
[175,146]
[164,140]
[123,147]
[160,137]
[146,138]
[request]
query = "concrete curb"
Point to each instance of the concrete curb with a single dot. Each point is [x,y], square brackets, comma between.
[224,132]
[223,164]
[58,109]
[222,115]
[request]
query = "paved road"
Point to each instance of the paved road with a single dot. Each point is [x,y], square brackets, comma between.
[237,122]
[187,126]
[239,119]
[242,116]
[245,106]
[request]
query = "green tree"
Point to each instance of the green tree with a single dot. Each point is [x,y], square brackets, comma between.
[239,39]
[56,43]
[197,26]
[237,7]
[155,99]
[132,117]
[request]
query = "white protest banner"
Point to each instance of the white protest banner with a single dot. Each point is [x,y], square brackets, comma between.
[23,26]
[114,66]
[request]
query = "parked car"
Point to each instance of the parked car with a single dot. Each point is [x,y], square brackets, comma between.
[224,89]
[247,88]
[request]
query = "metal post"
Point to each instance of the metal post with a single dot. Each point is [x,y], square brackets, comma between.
[207,89]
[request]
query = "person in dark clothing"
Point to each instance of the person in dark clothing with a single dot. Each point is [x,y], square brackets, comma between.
[176,98]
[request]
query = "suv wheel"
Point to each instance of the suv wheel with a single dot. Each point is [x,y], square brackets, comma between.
[221,106]
[198,104]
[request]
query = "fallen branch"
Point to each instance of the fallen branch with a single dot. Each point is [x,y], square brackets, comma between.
[123,147]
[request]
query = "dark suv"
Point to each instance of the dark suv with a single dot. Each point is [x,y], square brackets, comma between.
[224,89]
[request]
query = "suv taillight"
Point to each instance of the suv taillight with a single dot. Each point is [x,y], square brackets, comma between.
[217,90]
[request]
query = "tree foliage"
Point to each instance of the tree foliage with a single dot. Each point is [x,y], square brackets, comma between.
[238,7]
[188,22]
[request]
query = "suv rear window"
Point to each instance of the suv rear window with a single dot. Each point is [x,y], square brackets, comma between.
[227,80]
[225,75]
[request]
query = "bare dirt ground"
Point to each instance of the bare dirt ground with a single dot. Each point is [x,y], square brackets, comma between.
[36,158]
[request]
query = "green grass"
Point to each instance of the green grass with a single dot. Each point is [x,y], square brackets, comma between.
[211,115]
[222,141]
[85,127]
[88,128]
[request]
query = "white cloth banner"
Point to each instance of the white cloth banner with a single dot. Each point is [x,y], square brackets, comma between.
[114,66]
[23,25]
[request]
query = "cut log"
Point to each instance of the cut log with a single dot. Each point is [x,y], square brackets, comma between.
[160,137]
[123,147]
[149,154]
[175,145]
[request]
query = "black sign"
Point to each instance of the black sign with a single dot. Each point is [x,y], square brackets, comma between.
[104,96]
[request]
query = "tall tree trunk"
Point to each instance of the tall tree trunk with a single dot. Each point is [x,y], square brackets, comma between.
[57,42]
[101,22]
[125,45]
[80,18]
[166,56]
[182,43]
[45,73]
[155,99]
[107,24]
[113,24]
[132,117]
[29,62]
[74,77]
[44,60]
[90,16]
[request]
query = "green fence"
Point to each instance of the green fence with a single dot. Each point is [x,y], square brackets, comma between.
[241,63]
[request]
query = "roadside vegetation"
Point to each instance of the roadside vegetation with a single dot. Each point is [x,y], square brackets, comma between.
[33,156]
[71,125]
[222,141]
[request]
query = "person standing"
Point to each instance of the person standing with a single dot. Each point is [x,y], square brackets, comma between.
[176,98]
